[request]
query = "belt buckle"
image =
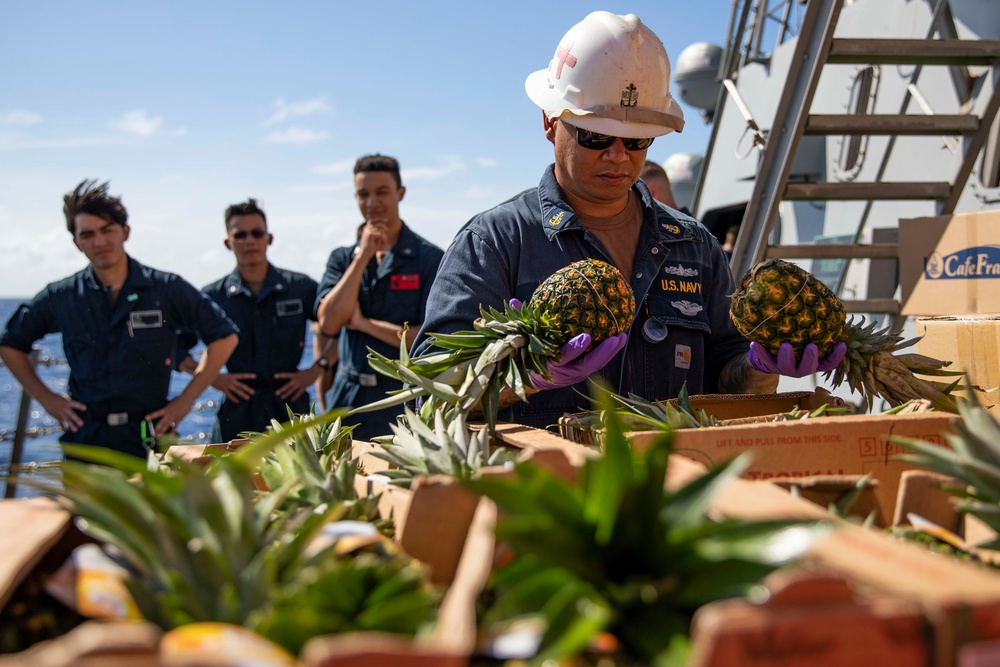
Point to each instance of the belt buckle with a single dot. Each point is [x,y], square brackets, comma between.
[367,379]
[117,418]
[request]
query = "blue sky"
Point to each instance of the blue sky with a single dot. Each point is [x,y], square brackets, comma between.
[189,106]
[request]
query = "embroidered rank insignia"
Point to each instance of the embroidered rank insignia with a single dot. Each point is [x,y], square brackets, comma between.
[556,219]
[404,281]
[673,229]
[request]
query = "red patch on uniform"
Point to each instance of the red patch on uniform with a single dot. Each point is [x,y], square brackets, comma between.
[404,281]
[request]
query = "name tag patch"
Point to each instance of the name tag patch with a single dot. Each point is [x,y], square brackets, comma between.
[404,281]
[288,307]
[145,319]
[682,356]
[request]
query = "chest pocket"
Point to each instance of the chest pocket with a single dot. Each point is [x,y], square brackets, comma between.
[398,298]
[289,325]
[149,347]
[677,297]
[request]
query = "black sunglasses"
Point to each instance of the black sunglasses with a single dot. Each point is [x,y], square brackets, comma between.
[598,142]
[257,234]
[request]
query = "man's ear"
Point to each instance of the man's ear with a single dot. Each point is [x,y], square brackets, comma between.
[270,238]
[550,127]
[126,230]
[226,242]
[401,190]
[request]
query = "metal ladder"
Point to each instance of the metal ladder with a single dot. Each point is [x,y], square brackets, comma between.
[817,47]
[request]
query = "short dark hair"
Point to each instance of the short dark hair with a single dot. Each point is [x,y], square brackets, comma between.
[248,207]
[378,162]
[651,168]
[93,199]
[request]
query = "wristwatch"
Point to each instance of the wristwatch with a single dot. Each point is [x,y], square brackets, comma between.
[323,363]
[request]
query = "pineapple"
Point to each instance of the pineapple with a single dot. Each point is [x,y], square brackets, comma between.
[777,301]
[588,296]
[315,467]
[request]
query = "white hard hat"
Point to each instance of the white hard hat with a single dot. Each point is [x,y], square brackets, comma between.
[610,74]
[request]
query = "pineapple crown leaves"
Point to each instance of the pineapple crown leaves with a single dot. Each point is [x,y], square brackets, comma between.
[316,467]
[637,413]
[474,367]
[640,557]
[195,543]
[448,448]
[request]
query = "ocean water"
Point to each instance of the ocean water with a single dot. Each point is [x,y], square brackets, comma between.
[44,446]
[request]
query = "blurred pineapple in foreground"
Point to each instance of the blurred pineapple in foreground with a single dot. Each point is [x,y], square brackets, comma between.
[620,554]
[201,544]
[973,461]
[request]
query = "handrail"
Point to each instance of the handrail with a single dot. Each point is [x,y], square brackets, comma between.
[17,448]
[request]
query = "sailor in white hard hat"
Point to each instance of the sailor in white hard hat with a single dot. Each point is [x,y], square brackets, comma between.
[604,98]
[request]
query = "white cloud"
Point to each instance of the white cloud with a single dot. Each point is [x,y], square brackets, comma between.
[137,122]
[9,142]
[297,136]
[487,162]
[181,132]
[296,109]
[450,164]
[316,188]
[335,168]
[20,117]
[475,192]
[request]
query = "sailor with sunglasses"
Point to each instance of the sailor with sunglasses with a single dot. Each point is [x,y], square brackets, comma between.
[605,97]
[272,308]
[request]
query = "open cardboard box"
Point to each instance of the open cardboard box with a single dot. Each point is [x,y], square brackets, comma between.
[438,522]
[729,408]
[817,455]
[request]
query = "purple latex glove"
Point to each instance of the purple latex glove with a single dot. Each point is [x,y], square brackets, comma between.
[784,363]
[576,368]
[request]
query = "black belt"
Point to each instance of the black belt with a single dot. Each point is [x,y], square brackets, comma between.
[265,384]
[364,379]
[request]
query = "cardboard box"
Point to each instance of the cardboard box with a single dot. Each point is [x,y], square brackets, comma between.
[729,408]
[811,619]
[950,265]
[793,452]
[972,344]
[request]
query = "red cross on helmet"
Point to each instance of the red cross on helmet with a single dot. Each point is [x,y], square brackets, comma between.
[612,75]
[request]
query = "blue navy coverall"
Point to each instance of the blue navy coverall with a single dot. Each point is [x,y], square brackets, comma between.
[394,291]
[120,355]
[272,328]
[681,281]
